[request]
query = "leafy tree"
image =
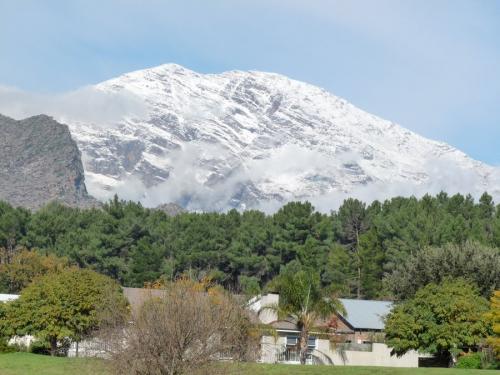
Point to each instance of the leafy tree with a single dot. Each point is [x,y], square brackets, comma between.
[303,300]
[13,222]
[441,319]
[494,317]
[63,305]
[4,328]
[478,263]
[25,266]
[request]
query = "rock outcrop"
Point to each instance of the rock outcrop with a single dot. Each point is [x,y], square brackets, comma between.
[40,163]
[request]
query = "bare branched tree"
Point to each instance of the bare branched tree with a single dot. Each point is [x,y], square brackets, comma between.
[188,328]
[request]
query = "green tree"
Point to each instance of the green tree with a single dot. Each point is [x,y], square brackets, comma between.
[303,300]
[354,221]
[25,266]
[67,304]
[493,316]
[135,245]
[338,273]
[250,254]
[249,285]
[49,224]
[475,262]
[13,222]
[294,224]
[372,263]
[441,319]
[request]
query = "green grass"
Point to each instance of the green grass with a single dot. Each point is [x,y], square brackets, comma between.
[31,364]
[259,369]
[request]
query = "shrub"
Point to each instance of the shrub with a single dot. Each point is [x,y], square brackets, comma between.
[184,330]
[5,347]
[470,361]
[40,347]
[43,347]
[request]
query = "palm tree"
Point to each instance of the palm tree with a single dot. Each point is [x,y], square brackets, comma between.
[303,300]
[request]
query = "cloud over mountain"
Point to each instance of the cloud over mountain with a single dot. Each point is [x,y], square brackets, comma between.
[247,139]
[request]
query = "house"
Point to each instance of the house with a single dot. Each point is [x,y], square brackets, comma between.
[355,338]
[363,322]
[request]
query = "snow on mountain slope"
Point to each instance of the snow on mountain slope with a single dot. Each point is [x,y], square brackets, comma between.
[253,139]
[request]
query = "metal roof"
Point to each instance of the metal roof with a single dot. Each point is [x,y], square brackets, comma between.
[364,314]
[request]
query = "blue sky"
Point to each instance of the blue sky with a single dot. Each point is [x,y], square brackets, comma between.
[431,65]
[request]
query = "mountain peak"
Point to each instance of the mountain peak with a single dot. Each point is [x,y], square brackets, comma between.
[40,118]
[244,139]
[170,67]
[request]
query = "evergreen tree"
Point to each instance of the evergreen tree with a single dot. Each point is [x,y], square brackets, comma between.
[354,222]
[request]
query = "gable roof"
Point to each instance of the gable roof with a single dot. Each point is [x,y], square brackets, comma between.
[364,314]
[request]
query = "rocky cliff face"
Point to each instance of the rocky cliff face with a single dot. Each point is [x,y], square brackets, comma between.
[40,163]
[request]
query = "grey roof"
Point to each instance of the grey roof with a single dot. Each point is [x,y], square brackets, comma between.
[363,314]
[285,325]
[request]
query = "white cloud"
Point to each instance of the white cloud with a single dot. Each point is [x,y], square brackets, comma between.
[86,105]
[285,169]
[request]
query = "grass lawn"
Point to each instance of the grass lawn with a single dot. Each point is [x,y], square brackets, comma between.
[31,364]
[260,369]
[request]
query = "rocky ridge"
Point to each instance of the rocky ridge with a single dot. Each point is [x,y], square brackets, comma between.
[40,163]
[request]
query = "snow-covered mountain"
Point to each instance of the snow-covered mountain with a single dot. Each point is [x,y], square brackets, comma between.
[253,139]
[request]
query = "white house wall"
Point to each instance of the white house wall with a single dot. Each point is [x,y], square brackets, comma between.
[379,356]
[259,304]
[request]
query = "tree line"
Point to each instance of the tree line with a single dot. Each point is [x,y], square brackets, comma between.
[379,250]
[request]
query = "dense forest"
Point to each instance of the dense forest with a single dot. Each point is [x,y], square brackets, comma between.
[359,250]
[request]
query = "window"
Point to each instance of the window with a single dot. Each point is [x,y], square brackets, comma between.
[311,343]
[291,340]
